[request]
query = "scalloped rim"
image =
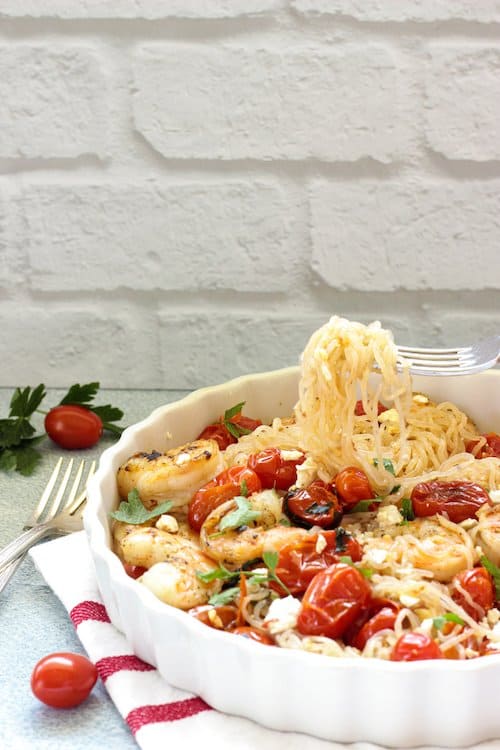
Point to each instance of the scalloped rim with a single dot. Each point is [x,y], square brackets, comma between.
[117,589]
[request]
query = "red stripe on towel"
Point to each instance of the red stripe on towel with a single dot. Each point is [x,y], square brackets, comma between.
[88,611]
[143,715]
[111,664]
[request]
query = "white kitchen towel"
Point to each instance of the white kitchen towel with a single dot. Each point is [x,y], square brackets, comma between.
[157,714]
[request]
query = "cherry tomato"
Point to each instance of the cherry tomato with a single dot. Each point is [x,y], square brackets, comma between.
[253,634]
[315,505]
[219,432]
[63,680]
[273,470]
[380,615]
[332,601]
[134,571]
[73,427]
[359,409]
[352,485]
[478,584]
[224,487]
[299,563]
[459,500]
[490,449]
[222,617]
[415,647]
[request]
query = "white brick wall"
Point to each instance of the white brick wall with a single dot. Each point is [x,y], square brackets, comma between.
[189,188]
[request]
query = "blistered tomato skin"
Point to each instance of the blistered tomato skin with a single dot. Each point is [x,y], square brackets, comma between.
[224,487]
[253,635]
[415,647]
[352,486]
[459,500]
[73,427]
[63,680]
[315,505]
[478,584]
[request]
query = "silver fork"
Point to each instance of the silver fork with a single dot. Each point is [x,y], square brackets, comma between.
[54,514]
[462,360]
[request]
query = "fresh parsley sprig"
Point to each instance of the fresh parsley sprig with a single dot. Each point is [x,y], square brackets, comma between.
[221,573]
[83,395]
[494,571]
[388,465]
[364,505]
[242,516]
[406,510]
[133,511]
[235,430]
[347,560]
[439,622]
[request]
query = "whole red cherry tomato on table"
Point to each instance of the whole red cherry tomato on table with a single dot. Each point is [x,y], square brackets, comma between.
[459,500]
[333,600]
[73,427]
[314,505]
[415,647]
[63,680]
[478,584]
[299,563]
[352,486]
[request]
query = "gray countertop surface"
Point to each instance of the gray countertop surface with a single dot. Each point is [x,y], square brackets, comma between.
[34,623]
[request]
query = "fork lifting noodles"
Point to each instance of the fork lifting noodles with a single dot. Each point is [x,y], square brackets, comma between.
[463,360]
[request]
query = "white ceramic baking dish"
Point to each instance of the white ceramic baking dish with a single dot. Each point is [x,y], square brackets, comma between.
[444,702]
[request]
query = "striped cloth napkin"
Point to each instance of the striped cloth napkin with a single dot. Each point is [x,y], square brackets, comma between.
[157,714]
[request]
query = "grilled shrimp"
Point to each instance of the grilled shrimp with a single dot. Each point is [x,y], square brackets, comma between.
[487,532]
[175,475]
[235,547]
[172,560]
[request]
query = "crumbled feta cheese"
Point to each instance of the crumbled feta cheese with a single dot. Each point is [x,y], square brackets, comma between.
[426,626]
[291,455]
[389,515]
[320,544]
[495,496]
[493,616]
[167,523]
[419,398]
[282,614]
[408,601]
[182,458]
[215,619]
[376,556]
[390,415]
[306,472]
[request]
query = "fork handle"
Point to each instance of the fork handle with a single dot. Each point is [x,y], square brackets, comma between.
[23,543]
[9,571]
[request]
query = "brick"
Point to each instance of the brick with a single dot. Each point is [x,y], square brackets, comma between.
[144,9]
[176,237]
[60,344]
[206,349]
[54,102]
[228,103]
[12,261]
[462,91]
[485,11]
[452,327]
[385,236]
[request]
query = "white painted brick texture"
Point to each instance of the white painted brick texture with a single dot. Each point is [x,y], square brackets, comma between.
[189,188]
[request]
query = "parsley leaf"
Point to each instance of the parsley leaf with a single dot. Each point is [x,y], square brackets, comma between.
[83,395]
[406,510]
[439,622]
[364,505]
[494,572]
[25,402]
[235,430]
[217,574]
[244,489]
[347,560]
[80,394]
[270,561]
[242,516]
[388,465]
[226,596]
[133,511]
[17,441]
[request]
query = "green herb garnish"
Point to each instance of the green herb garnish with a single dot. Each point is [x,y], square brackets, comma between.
[17,434]
[347,560]
[242,516]
[407,510]
[133,511]
[271,560]
[235,430]
[244,489]
[364,505]
[226,596]
[494,572]
[83,395]
[388,465]
[439,622]
[217,574]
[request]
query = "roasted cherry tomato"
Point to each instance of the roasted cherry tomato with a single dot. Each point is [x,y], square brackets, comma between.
[490,449]
[478,584]
[219,432]
[134,571]
[222,617]
[352,486]
[273,470]
[253,634]
[359,409]
[73,427]
[380,615]
[332,601]
[299,563]
[315,505]
[415,647]
[63,680]
[459,500]
[224,487]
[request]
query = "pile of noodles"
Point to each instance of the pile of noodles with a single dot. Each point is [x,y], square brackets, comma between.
[415,440]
